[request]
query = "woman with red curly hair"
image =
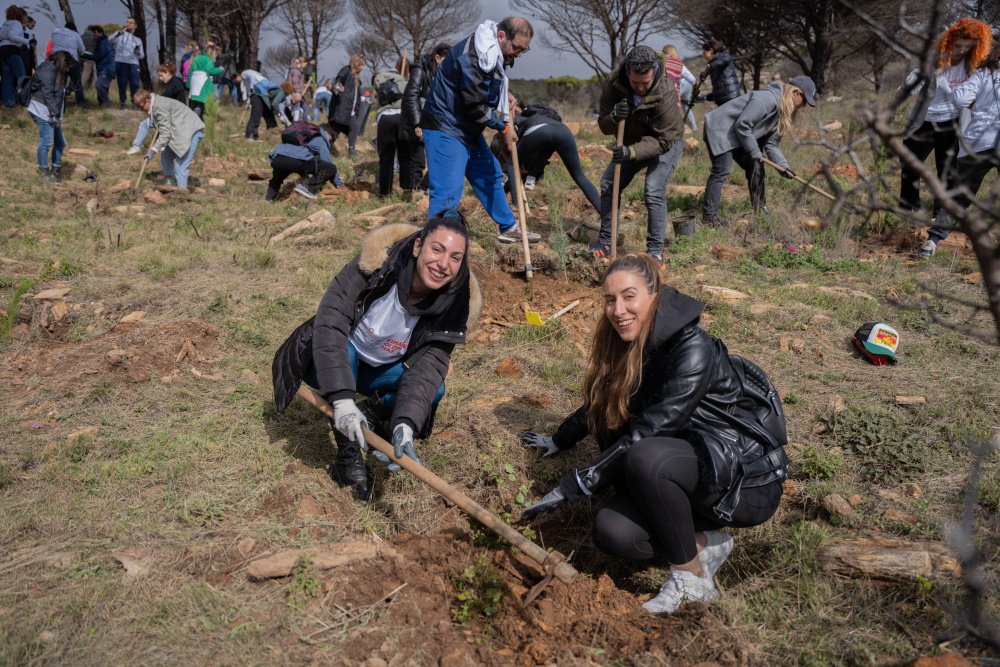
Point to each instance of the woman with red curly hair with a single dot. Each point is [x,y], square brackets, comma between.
[960,50]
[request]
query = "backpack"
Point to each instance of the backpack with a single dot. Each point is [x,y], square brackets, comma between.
[25,86]
[264,86]
[541,110]
[388,93]
[299,133]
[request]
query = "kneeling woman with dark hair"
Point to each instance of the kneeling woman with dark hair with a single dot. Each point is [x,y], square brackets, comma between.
[385,328]
[691,437]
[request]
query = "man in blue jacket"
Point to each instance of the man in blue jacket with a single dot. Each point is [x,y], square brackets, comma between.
[104,63]
[311,160]
[469,94]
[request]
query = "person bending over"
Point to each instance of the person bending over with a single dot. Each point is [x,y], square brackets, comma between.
[311,160]
[180,132]
[173,88]
[385,328]
[744,130]
[263,97]
[669,408]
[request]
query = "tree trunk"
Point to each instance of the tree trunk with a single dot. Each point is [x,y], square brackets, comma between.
[67,11]
[170,29]
[888,560]
[160,53]
[138,10]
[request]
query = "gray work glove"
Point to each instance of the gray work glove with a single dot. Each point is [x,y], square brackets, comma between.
[350,422]
[543,443]
[552,499]
[402,443]
[621,111]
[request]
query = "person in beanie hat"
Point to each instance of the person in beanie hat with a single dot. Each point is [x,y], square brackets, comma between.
[744,130]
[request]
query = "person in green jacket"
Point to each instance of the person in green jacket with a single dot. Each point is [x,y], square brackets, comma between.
[180,132]
[200,82]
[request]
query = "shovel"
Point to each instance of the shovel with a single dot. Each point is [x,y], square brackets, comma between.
[553,563]
[142,170]
[800,180]
[614,194]
[519,194]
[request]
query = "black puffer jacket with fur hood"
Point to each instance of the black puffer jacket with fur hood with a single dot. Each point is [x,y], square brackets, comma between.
[386,259]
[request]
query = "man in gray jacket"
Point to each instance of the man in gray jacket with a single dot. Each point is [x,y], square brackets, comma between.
[639,94]
[68,39]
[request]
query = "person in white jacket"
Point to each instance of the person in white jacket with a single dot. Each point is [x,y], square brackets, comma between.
[128,52]
[977,147]
[960,50]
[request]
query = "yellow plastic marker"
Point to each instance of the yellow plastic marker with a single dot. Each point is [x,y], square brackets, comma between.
[533,318]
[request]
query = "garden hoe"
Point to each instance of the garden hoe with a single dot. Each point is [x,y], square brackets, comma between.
[519,195]
[552,562]
[142,170]
[800,180]
[614,194]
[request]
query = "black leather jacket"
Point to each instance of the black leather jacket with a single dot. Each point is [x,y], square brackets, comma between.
[386,259]
[725,82]
[689,390]
[417,87]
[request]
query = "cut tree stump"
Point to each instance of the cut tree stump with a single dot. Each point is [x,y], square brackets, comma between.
[321,218]
[321,556]
[888,560]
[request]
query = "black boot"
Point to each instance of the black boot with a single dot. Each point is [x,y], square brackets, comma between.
[378,415]
[45,174]
[56,174]
[348,467]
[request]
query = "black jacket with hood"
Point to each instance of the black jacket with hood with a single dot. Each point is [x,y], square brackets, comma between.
[348,102]
[46,89]
[386,259]
[415,94]
[689,390]
[725,82]
[654,125]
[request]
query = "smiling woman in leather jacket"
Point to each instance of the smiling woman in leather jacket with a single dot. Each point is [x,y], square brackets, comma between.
[385,328]
[691,437]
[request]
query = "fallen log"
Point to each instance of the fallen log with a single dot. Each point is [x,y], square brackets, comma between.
[321,556]
[321,218]
[888,560]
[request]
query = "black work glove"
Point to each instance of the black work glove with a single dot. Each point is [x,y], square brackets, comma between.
[699,98]
[788,173]
[620,154]
[621,111]
[552,500]
[584,481]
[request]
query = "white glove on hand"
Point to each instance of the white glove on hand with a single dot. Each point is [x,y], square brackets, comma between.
[402,442]
[532,439]
[349,421]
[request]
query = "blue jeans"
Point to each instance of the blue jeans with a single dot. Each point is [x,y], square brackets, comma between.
[102,85]
[140,134]
[11,69]
[128,78]
[173,165]
[51,136]
[322,101]
[368,380]
[450,162]
[222,83]
[658,172]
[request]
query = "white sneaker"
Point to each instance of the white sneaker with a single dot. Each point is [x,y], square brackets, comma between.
[928,248]
[529,183]
[304,191]
[715,553]
[681,587]
[133,150]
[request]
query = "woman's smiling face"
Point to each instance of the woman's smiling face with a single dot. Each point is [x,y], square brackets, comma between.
[627,303]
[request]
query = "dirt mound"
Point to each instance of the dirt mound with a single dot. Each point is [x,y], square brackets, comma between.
[223,167]
[128,352]
[841,169]
[907,239]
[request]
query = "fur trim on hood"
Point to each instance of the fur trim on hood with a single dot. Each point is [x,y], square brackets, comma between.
[375,251]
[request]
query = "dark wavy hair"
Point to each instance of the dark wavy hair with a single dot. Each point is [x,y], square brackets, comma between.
[454,222]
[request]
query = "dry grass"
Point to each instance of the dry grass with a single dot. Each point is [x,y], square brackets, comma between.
[191,467]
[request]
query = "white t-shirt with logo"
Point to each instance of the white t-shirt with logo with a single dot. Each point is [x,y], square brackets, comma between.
[383,334]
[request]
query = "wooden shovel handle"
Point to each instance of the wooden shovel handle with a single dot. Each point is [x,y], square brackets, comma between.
[521,199]
[563,571]
[800,180]
[614,194]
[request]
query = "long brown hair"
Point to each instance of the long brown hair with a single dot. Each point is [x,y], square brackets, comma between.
[614,367]
[787,109]
[356,63]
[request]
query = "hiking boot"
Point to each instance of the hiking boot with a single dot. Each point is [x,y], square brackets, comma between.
[529,183]
[716,221]
[348,467]
[658,258]
[133,150]
[304,191]
[600,251]
[56,174]
[681,587]
[45,174]
[716,551]
[928,248]
[513,235]
[351,153]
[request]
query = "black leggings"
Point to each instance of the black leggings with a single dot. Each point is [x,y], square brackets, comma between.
[283,166]
[659,508]
[940,137]
[534,150]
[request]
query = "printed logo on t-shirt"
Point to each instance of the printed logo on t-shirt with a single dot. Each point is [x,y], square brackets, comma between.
[393,346]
